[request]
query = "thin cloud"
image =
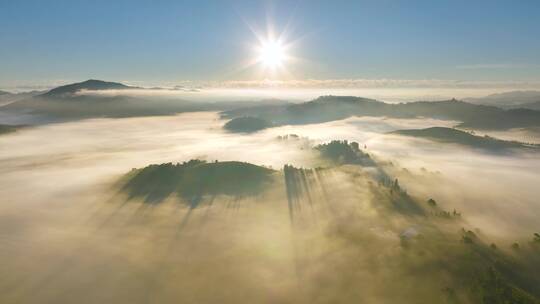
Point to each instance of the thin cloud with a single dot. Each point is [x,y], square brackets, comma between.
[187,86]
[495,66]
[371,83]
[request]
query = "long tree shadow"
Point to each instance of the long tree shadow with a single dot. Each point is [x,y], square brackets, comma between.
[299,184]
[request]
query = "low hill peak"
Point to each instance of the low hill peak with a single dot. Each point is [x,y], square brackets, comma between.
[456,136]
[334,98]
[90,84]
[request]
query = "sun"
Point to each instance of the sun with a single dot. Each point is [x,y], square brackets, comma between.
[272,54]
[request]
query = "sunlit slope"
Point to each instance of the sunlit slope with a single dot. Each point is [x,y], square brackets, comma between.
[341,233]
[194,179]
[340,223]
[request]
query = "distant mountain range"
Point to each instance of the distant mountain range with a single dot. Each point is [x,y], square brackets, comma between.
[64,103]
[330,108]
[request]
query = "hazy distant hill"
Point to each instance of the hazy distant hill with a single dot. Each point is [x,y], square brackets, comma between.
[246,124]
[330,108]
[91,84]
[7,97]
[531,105]
[322,109]
[64,103]
[449,135]
[513,99]
[85,106]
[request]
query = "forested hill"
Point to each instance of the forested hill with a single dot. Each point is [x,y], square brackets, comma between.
[330,108]
[455,136]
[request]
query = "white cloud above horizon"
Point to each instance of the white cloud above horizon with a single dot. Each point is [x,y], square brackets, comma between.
[304,89]
[496,66]
[365,83]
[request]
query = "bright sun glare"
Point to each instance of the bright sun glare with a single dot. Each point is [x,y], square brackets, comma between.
[272,54]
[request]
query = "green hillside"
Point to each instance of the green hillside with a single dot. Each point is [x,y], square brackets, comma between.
[449,135]
[246,124]
[330,108]
[196,178]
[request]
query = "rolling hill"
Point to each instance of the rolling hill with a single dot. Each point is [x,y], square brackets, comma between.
[66,103]
[194,179]
[463,264]
[91,84]
[449,135]
[530,105]
[246,124]
[330,108]
[512,99]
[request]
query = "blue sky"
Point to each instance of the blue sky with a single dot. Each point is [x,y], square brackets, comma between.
[168,41]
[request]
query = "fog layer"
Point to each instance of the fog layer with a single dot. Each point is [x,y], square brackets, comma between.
[69,235]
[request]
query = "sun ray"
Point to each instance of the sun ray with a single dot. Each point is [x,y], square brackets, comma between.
[272,52]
